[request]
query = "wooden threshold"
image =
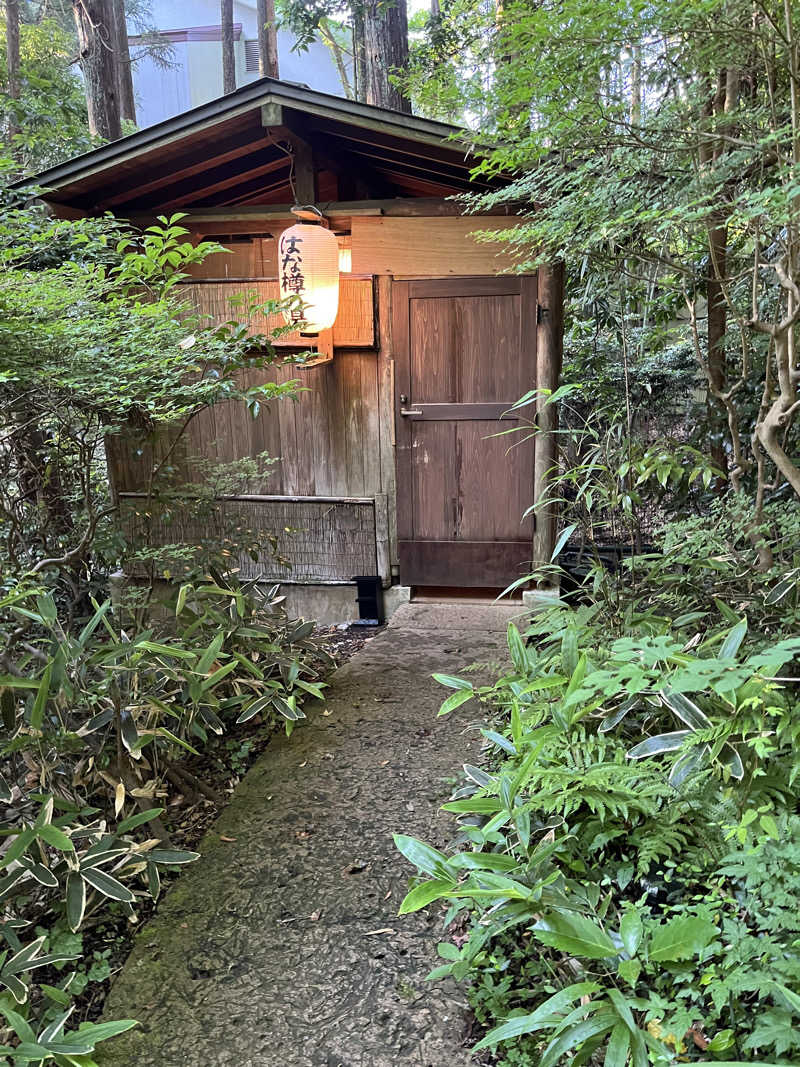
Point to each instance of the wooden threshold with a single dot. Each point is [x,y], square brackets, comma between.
[463,564]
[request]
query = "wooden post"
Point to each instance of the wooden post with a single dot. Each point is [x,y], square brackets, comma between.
[305,178]
[386,418]
[549,343]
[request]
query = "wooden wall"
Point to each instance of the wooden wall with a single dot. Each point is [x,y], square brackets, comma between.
[338,439]
[327,440]
[222,301]
[332,442]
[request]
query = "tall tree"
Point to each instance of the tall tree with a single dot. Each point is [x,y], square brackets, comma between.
[228,56]
[94,22]
[12,60]
[359,55]
[127,100]
[386,52]
[673,184]
[378,30]
[267,39]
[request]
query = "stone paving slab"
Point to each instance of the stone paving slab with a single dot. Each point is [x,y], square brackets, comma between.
[283,948]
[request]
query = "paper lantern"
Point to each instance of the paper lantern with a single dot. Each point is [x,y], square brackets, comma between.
[309,268]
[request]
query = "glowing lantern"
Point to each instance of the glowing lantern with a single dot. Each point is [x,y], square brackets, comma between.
[309,268]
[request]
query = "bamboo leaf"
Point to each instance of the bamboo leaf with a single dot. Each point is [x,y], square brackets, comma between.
[685,710]
[455,700]
[424,858]
[563,537]
[55,838]
[107,885]
[37,712]
[730,646]
[451,682]
[138,819]
[171,856]
[655,746]
[541,1019]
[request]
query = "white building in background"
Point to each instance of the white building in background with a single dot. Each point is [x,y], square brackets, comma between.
[194,73]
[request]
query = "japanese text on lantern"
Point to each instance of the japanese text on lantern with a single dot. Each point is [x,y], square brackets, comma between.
[293,278]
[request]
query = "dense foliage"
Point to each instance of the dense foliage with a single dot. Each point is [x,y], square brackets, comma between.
[626,868]
[108,692]
[622,885]
[656,148]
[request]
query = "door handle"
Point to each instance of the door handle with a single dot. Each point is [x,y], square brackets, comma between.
[410,411]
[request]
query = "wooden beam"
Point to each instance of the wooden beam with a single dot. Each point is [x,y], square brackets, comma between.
[271,114]
[327,155]
[357,115]
[253,188]
[223,152]
[398,207]
[203,189]
[242,219]
[549,343]
[418,247]
[461,180]
[458,155]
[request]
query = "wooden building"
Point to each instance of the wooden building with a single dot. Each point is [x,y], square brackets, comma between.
[390,462]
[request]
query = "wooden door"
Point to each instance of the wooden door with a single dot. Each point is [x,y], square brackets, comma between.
[465,351]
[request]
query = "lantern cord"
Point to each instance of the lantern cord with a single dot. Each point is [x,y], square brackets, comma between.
[288,150]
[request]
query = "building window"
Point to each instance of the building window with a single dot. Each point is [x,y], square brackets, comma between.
[251,57]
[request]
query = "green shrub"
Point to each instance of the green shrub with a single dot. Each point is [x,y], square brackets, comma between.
[606,913]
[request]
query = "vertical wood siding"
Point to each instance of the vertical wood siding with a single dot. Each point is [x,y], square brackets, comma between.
[327,441]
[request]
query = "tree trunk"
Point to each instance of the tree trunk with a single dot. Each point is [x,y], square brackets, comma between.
[386,51]
[228,57]
[329,37]
[359,56]
[127,100]
[12,64]
[94,22]
[267,40]
[717,324]
[636,84]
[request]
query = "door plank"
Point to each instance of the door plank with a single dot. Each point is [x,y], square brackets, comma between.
[402,385]
[425,412]
[465,354]
[465,564]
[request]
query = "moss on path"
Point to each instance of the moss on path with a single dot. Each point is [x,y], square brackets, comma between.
[281,946]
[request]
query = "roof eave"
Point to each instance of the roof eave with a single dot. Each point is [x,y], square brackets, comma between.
[264,91]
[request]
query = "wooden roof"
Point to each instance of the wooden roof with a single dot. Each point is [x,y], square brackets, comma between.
[232,152]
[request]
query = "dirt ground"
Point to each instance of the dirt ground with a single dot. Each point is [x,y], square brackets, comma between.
[281,946]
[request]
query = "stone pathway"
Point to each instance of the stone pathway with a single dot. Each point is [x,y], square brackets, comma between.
[282,947]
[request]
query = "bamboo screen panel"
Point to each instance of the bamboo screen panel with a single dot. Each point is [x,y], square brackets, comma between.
[355,321]
[325,541]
